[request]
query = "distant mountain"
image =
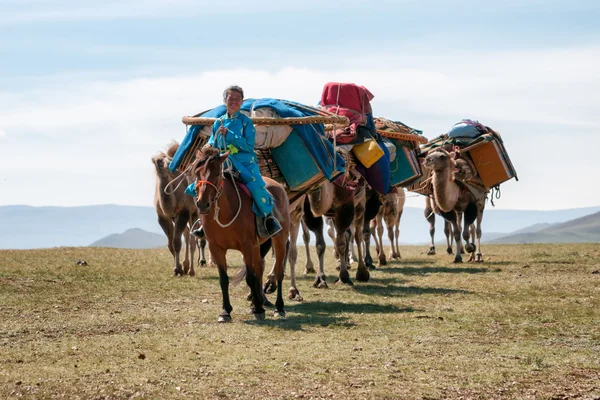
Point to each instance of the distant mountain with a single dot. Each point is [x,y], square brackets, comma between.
[580,230]
[533,228]
[132,239]
[26,227]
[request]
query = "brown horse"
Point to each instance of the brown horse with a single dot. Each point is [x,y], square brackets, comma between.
[229,223]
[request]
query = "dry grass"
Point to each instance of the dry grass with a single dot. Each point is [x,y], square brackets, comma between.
[523,325]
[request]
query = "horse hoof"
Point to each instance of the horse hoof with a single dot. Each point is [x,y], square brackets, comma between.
[346,282]
[259,316]
[269,287]
[177,272]
[383,261]
[431,253]
[458,260]
[278,314]
[203,263]
[267,302]
[309,271]
[224,318]
[192,273]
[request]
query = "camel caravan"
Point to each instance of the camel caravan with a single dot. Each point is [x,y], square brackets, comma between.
[249,173]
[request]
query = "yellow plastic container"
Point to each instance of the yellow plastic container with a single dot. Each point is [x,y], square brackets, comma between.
[368,152]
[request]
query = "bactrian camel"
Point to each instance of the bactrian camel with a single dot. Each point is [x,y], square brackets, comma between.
[392,205]
[451,198]
[175,210]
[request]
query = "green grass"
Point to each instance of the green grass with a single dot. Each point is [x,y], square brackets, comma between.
[523,325]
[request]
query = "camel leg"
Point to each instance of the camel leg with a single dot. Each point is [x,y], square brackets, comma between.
[295,221]
[218,256]
[396,228]
[167,226]
[190,242]
[448,233]
[180,225]
[367,242]
[309,268]
[380,250]
[362,272]
[452,217]
[315,224]
[479,255]
[430,217]
[344,216]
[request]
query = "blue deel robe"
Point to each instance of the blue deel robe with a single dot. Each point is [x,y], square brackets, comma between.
[239,141]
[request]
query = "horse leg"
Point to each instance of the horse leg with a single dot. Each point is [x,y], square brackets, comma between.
[281,246]
[309,268]
[254,270]
[352,257]
[218,256]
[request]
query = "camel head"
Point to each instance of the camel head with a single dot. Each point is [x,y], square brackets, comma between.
[439,160]
[161,165]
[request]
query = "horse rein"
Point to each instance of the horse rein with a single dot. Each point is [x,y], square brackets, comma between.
[214,201]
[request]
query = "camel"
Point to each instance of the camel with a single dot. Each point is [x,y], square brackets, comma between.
[451,198]
[296,220]
[344,203]
[390,212]
[176,211]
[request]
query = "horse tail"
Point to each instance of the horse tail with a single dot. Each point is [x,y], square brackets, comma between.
[241,275]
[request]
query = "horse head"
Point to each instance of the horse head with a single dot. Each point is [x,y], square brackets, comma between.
[208,171]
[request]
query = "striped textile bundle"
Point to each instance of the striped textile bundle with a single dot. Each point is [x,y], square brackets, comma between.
[267,166]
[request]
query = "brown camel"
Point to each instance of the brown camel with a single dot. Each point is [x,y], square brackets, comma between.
[390,212]
[344,203]
[451,198]
[175,210]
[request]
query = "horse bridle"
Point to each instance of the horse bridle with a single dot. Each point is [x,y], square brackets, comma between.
[218,189]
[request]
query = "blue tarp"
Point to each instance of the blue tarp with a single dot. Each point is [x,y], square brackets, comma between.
[319,147]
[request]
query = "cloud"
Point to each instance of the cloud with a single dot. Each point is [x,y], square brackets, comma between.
[110,129]
[2,133]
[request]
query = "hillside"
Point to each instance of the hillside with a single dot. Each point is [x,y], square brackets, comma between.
[132,239]
[580,230]
[27,227]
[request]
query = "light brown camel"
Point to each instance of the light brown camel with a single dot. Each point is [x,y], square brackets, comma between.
[392,205]
[296,214]
[451,198]
[175,210]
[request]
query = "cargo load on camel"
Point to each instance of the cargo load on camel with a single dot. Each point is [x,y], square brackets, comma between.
[291,145]
[403,142]
[486,162]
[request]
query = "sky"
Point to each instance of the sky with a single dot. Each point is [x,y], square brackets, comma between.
[90,91]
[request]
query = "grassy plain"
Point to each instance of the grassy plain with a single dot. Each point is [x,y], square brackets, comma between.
[523,325]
